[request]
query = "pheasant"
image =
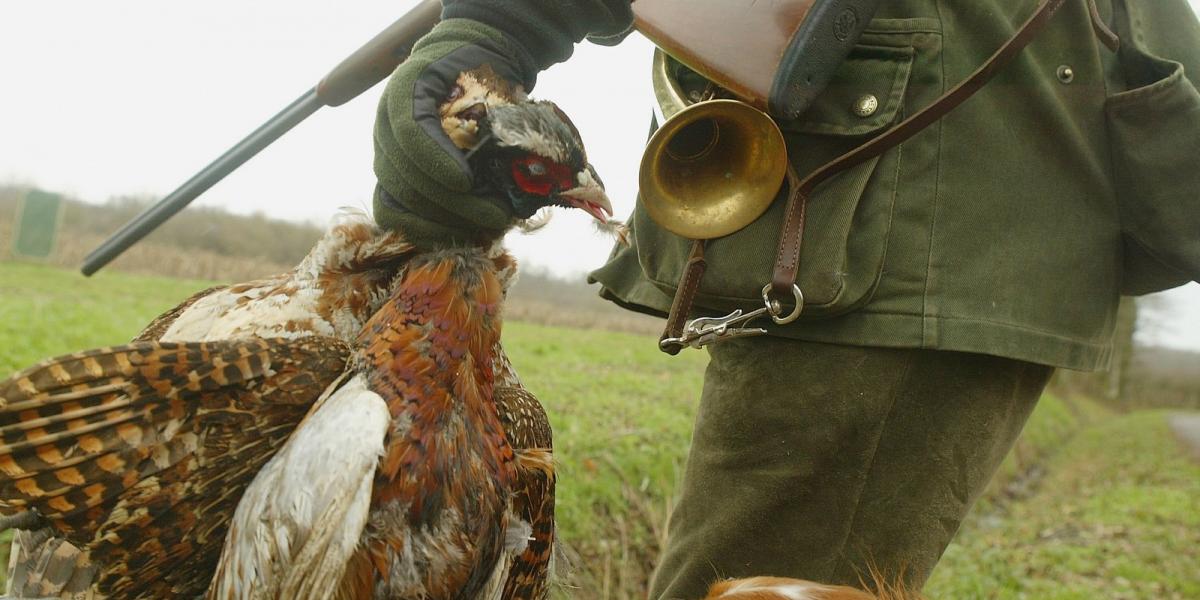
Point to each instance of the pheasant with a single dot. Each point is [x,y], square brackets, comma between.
[349,427]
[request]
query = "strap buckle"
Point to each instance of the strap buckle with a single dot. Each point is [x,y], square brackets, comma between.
[702,331]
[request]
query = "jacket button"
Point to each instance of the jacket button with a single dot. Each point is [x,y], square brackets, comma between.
[866,105]
[1066,74]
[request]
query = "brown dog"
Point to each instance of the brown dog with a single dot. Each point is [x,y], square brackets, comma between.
[779,588]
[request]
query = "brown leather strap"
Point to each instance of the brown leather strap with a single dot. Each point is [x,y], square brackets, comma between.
[788,254]
[1106,35]
[689,282]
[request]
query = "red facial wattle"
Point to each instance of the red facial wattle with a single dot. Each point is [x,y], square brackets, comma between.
[540,177]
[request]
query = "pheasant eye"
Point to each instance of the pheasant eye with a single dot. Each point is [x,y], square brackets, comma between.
[537,176]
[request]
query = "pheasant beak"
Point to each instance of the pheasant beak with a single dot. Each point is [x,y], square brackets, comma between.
[589,196]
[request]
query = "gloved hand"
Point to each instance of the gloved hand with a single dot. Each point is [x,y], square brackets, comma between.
[425,185]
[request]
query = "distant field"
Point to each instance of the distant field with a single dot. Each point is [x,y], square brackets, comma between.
[47,311]
[1113,515]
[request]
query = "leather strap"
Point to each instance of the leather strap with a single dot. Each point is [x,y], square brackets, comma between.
[1106,35]
[787,258]
[681,306]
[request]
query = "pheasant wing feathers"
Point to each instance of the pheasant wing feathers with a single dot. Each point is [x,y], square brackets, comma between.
[524,572]
[301,519]
[140,452]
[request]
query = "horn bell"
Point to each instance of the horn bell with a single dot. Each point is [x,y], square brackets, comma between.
[712,169]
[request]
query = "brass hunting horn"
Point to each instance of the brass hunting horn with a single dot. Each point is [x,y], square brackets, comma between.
[713,166]
[716,164]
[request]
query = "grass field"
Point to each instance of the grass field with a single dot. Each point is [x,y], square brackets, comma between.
[1117,516]
[1113,515]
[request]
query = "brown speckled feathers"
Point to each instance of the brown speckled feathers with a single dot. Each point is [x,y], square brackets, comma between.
[532,500]
[441,491]
[138,452]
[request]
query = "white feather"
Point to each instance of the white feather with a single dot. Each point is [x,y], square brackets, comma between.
[286,306]
[302,516]
[516,539]
[793,590]
[228,315]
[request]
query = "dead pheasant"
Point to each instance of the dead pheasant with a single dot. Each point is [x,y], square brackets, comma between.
[90,466]
[392,448]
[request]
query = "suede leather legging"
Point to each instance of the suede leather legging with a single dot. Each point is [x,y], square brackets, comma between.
[814,461]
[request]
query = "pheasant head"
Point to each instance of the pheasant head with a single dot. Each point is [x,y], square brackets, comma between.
[528,151]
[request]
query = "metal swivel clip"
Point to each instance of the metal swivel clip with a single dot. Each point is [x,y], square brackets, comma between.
[701,331]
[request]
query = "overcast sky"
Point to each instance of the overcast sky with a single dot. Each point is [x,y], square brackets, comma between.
[134,96]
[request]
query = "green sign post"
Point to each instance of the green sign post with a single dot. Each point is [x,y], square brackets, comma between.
[37,224]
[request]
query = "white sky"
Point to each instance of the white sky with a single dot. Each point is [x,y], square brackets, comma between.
[134,96]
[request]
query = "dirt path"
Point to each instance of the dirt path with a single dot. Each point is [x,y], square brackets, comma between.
[1187,428]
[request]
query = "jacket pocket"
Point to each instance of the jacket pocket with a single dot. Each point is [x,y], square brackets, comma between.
[1154,132]
[838,270]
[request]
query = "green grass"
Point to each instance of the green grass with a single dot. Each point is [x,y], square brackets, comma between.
[1113,516]
[1117,516]
[1054,420]
[46,312]
[622,413]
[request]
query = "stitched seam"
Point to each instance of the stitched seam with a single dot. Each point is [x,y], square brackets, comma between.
[1108,142]
[937,194]
[693,272]
[1144,247]
[1011,326]
[904,26]
[882,313]
[1118,102]
[899,84]
[912,359]
[786,239]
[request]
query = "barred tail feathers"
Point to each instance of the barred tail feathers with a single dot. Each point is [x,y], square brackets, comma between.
[77,429]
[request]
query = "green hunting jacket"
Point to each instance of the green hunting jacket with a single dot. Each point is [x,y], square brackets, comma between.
[1011,226]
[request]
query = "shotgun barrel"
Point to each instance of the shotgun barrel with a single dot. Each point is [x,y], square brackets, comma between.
[367,66]
[774,55]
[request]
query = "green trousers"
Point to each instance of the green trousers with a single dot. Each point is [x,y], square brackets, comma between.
[814,461]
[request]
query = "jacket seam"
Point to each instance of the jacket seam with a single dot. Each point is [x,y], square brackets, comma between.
[1108,147]
[1119,103]
[904,26]
[1025,328]
[899,85]
[937,195]
[1144,247]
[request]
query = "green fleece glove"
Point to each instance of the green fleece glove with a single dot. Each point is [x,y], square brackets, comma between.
[426,187]
[549,29]
[425,183]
